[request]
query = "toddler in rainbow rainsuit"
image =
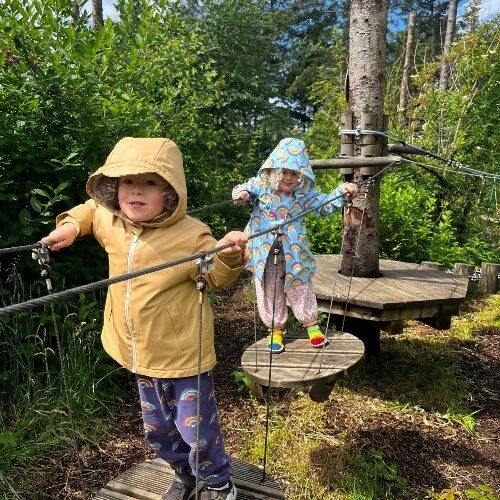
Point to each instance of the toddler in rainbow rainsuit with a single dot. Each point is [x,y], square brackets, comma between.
[283,188]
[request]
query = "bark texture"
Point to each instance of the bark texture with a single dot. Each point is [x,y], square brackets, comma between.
[367,46]
[97,16]
[410,44]
[448,40]
[75,8]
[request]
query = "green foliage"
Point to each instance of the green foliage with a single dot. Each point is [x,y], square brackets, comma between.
[480,491]
[327,95]
[242,381]
[412,229]
[458,124]
[68,93]
[375,474]
[55,386]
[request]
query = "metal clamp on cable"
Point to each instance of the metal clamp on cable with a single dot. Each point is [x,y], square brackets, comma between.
[358,131]
[41,255]
[205,264]
[278,237]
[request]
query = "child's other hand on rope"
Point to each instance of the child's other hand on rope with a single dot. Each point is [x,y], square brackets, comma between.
[241,197]
[349,190]
[238,238]
[233,256]
[61,237]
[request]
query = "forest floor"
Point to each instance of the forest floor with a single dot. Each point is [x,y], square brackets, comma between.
[416,447]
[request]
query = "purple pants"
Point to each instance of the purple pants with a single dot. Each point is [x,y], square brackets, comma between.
[169,413]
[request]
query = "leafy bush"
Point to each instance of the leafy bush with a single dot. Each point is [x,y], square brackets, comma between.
[69,92]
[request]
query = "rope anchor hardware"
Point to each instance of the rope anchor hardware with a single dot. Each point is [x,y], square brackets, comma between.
[358,131]
[41,255]
[205,264]
[278,233]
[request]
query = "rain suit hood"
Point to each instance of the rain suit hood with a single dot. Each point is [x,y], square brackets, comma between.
[133,156]
[292,154]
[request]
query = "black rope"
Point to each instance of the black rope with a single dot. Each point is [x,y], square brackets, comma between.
[201,284]
[215,205]
[23,248]
[29,304]
[276,246]
[20,249]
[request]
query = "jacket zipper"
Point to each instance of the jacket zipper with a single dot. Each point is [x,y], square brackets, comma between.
[130,258]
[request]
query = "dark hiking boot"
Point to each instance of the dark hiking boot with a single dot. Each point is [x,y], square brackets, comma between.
[226,492]
[181,488]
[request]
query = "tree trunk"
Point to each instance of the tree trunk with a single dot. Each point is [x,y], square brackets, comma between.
[410,43]
[367,45]
[448,40]
[97,13]
[435,20]
[75,11]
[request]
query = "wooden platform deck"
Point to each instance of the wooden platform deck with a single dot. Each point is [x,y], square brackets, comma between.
[150,480]
[404,291]
[300,365]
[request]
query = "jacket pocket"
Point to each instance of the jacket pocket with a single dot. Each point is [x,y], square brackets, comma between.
[185,337]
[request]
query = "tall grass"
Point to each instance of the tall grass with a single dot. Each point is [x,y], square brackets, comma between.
[55,382]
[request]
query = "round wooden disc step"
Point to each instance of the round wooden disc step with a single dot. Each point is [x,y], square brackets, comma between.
[302,366]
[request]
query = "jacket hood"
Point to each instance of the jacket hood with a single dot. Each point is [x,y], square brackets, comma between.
[132,156]
[292,154]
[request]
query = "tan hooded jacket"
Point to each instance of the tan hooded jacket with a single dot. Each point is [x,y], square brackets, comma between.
[151,322]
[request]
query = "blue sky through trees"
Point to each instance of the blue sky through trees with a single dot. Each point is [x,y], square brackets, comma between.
[489,8]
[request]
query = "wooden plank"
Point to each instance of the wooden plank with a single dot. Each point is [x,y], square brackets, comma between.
[150,480]
[246,477]
[354,162]
[338,309]
[105,494]
[401,285]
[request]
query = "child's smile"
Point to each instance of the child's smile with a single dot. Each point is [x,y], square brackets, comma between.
[289,181]
[141,196]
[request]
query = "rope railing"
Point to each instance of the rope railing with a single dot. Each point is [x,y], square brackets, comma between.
[22,248]
[479,174]
[29,304]
[418,150]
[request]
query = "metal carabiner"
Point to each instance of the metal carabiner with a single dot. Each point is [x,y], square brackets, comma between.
[205,264]
[41,255]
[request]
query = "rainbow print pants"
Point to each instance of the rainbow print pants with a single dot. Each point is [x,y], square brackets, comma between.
[169,412]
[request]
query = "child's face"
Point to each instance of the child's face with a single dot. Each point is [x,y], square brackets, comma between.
[289,181]
[141,196]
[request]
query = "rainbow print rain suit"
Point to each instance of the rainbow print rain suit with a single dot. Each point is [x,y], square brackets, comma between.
[273,206]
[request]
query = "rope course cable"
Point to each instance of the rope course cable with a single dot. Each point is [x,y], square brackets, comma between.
[481,175]
[29,304]
[23,248]
[359,131]
[209,207]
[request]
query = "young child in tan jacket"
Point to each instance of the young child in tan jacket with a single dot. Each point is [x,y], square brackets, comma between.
[137,213]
